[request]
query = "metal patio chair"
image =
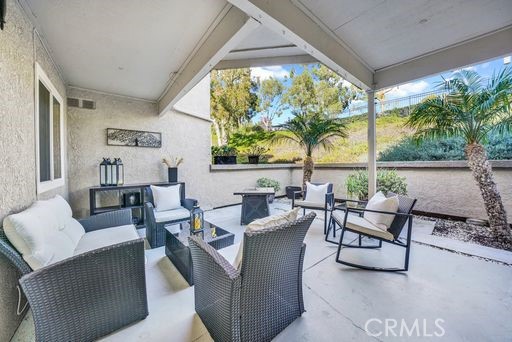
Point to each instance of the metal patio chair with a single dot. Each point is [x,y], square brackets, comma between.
[358,225]
[325,206]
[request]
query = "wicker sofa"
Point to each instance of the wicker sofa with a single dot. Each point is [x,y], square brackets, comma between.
[98,289]
[256,302]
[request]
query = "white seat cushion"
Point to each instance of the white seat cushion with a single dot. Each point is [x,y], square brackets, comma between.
[105,237]
[360,224]
[166,197]
[316,193]
[172,215]
[382,203]
[263,223]
[44,233]
[307,204]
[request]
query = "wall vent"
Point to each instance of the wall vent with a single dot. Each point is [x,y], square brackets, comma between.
[78,103]
[72,102]
[88,104]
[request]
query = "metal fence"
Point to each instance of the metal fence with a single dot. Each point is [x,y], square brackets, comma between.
[384,106]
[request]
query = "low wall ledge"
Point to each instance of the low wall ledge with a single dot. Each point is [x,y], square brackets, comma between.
[461,164]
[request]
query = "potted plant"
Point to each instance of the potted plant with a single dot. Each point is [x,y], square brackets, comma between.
[224,154]
[255,153]
[172,167]
[269,183]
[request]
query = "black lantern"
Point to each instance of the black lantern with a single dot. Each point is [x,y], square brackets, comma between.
[196,221]
[105,172]
[117,172]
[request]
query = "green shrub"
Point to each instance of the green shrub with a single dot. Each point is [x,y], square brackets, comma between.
[387,180]
[223,151]
[497,146]
[246,137]
[268,183]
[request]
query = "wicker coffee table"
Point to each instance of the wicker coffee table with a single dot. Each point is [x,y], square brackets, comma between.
[177,250]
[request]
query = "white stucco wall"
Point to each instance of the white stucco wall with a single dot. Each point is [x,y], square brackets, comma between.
[197,101]
[182,135]
[440,187]
[19,49]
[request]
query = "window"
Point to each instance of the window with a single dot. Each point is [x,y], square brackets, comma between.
[49,134]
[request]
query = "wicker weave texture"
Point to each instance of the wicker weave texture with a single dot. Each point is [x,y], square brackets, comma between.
[89,295]
[262,299]
[106,220]
[12,254]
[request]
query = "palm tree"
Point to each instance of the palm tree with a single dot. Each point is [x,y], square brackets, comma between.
[310,132]
[471,108]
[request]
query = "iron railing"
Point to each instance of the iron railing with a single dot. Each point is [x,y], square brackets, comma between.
[387,105]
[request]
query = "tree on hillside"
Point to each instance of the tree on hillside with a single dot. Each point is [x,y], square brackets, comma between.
[270,100]
[333,93]
[233,100]
[319,90]
[472,108]
[310,131]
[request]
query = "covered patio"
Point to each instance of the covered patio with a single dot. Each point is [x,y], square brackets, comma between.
[469,294]
[145,67]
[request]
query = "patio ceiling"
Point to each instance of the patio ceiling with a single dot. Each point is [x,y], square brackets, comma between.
[131,48]
[159,50]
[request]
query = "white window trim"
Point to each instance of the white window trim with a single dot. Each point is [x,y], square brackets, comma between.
[40,76]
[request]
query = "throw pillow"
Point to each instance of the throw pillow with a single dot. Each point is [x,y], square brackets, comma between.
[316,193]
[166,197]
[382,203]
[263,223]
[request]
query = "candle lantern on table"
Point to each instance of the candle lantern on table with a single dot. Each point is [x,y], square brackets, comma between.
[117,172]
[105,172]
[197,221]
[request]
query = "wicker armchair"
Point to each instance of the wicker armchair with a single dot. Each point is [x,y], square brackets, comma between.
[261,299]
[88,295]
[155,232]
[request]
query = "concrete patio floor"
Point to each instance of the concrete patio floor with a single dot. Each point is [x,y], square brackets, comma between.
[471,296]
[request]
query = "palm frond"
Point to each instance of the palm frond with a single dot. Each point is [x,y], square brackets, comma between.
[311,131]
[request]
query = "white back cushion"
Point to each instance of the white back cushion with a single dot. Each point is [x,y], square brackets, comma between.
[263,223]
[44,233]
[316,193]
[381,203]
[166,197]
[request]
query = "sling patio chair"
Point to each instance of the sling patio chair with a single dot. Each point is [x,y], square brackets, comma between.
[321,197]
[363,228]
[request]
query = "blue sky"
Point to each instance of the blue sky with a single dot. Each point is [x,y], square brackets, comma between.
[416,87]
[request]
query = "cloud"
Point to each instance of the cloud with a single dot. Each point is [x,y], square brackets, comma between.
[266,72]
[469,68]
[408,89]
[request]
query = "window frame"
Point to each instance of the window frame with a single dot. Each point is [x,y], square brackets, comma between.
[41,76]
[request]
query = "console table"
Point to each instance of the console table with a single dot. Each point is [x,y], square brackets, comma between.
[116,199]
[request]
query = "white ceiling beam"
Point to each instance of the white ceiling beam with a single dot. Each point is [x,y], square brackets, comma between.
[229,32]
[489,46]
[284,18]
[264,61]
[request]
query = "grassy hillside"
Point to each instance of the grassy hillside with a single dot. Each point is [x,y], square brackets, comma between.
[390,130]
